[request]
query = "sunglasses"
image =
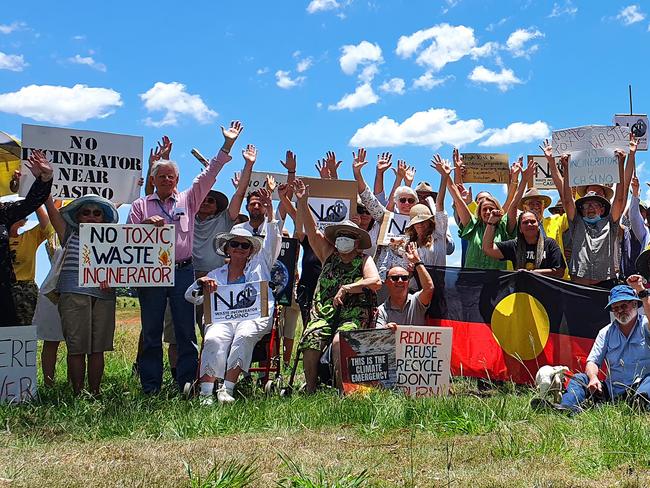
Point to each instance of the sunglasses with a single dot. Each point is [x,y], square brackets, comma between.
[86,212]
[406,200]
[210,200]
[397,278]
[236,244]
[362,211]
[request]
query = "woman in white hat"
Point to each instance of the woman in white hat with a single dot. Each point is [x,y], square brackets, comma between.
[228,346]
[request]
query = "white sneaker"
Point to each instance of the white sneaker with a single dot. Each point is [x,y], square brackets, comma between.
[223,396]
[206,400]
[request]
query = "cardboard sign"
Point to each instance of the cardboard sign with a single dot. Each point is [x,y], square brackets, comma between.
[591,149]
[126,255]
[258,181]
[327,199]
[283,273]
[328,211]
[85,162]
[392,227]
[18,347]
[414,360]
[235,303]
[638,125]
[486,168]
[542,179]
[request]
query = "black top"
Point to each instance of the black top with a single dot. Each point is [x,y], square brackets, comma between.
[552,257]
[311,268]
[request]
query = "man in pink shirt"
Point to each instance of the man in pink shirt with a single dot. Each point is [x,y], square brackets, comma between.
[169,206]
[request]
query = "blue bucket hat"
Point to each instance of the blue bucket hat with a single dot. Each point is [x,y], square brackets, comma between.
[622,293]
[69,212]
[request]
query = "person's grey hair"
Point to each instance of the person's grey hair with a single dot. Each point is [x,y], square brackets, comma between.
[401,190]
[163,162]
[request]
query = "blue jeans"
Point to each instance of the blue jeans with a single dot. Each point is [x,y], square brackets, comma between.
[577,392]
[153,301]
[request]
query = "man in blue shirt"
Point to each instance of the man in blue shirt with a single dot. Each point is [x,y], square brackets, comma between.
[623,347]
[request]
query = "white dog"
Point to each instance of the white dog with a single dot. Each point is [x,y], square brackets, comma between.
[549,381]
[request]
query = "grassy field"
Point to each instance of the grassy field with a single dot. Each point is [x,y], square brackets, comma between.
[380,439]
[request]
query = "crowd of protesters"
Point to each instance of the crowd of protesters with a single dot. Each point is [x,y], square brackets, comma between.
[592,236]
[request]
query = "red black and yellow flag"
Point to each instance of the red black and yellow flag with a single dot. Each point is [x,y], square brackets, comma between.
[509,324]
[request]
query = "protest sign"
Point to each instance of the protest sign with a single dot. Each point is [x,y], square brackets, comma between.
[392,227]
[283,273]
[258,181]
[18,348]
[591,148]
[9,162]
[126,255]
[234,303]
[486,168]
[330,201]
[542,179]
[85,162]
[638,125]
[414,360]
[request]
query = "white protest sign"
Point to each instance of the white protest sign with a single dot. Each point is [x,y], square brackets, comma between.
[638,125]
[258,181]
[18,348]
[84,162]
[423,360]
[542,179]
[126,255]
[234,303]
[392,227]
[328,211]
[592,148]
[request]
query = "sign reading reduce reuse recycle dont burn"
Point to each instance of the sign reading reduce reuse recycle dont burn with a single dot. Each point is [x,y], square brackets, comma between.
[126,255]
[237,302]
[414,360]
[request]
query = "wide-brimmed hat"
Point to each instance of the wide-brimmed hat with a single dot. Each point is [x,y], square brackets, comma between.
[581,191]
[643,263]
[557,208]
[643,205]
[221,240]
[424,186]
[222,200]
[69,212]
[622,293]
[420,213]
[591,196]
[534,193]
[352,228]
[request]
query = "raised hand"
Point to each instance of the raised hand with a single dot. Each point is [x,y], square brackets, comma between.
[400,172]
[231,134]
[163,151]
[332,164]
[271,184]
[38,164]
[465,194]
[515,170]
[290,163]
[564,163]
[299,189]
[235,179]
[411,253]
[495,216]
[634,186]
[409,176]
[265,197]
[358,161]
[634,143]
[637,282]
[620,155]
[529,172]
[283,190]
[250,154]
[384,162]
[547,148]
[323,170]
[441,166]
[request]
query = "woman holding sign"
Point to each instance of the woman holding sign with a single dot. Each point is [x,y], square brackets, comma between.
[228,344]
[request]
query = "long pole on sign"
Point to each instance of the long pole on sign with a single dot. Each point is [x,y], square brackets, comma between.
[629,87]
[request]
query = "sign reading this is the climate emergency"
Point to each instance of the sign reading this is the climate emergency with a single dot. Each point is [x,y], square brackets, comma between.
[85,162]
[237,302]
[126,255]
[18,347]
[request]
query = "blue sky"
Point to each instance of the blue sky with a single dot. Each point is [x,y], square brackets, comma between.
[409,76]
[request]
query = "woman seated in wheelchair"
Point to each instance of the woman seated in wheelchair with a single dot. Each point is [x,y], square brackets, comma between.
[344,297]
[228,346]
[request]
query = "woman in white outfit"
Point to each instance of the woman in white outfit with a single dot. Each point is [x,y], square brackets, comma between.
[228,346]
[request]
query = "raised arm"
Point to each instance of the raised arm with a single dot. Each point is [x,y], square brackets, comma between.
[459,167]
[383,163]
[286,206]
[511,210]
[373,205]
[400,174]
[443,168]
[412,256]
[489,248]
[163,151]
[321,246]
[639,227]
[250,156]
[464,215]
[513,183]
[273,238]
[332,165]
[568,202]
[558,179]
[625,176]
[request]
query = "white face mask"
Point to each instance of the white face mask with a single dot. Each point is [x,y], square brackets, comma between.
[344,244]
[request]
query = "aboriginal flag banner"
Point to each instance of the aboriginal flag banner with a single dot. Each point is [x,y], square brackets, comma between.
[509,324]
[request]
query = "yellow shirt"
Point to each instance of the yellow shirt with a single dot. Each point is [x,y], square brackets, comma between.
[554,227]
[25,246]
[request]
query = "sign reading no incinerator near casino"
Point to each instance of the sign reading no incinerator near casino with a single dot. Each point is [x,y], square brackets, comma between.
[84,162]
[126,255]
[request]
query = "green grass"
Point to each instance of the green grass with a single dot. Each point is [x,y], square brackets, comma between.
[375,439]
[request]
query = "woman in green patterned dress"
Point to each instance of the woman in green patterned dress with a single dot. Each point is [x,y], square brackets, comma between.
[340,302]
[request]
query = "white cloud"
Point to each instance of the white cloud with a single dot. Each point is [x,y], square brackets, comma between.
[88,61]
[304,64]
[631,15]
[363,54]
[12,62]
[517,41]
[322,5]
[362,96]
[487,49]
[504,80]
[448,44]
[174,101]
[494,25]
[9,28]
[517,132]
[567,9]
[427,81]
[61,104]
[284,80]
[262,71]
[394,85]
[431,128]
